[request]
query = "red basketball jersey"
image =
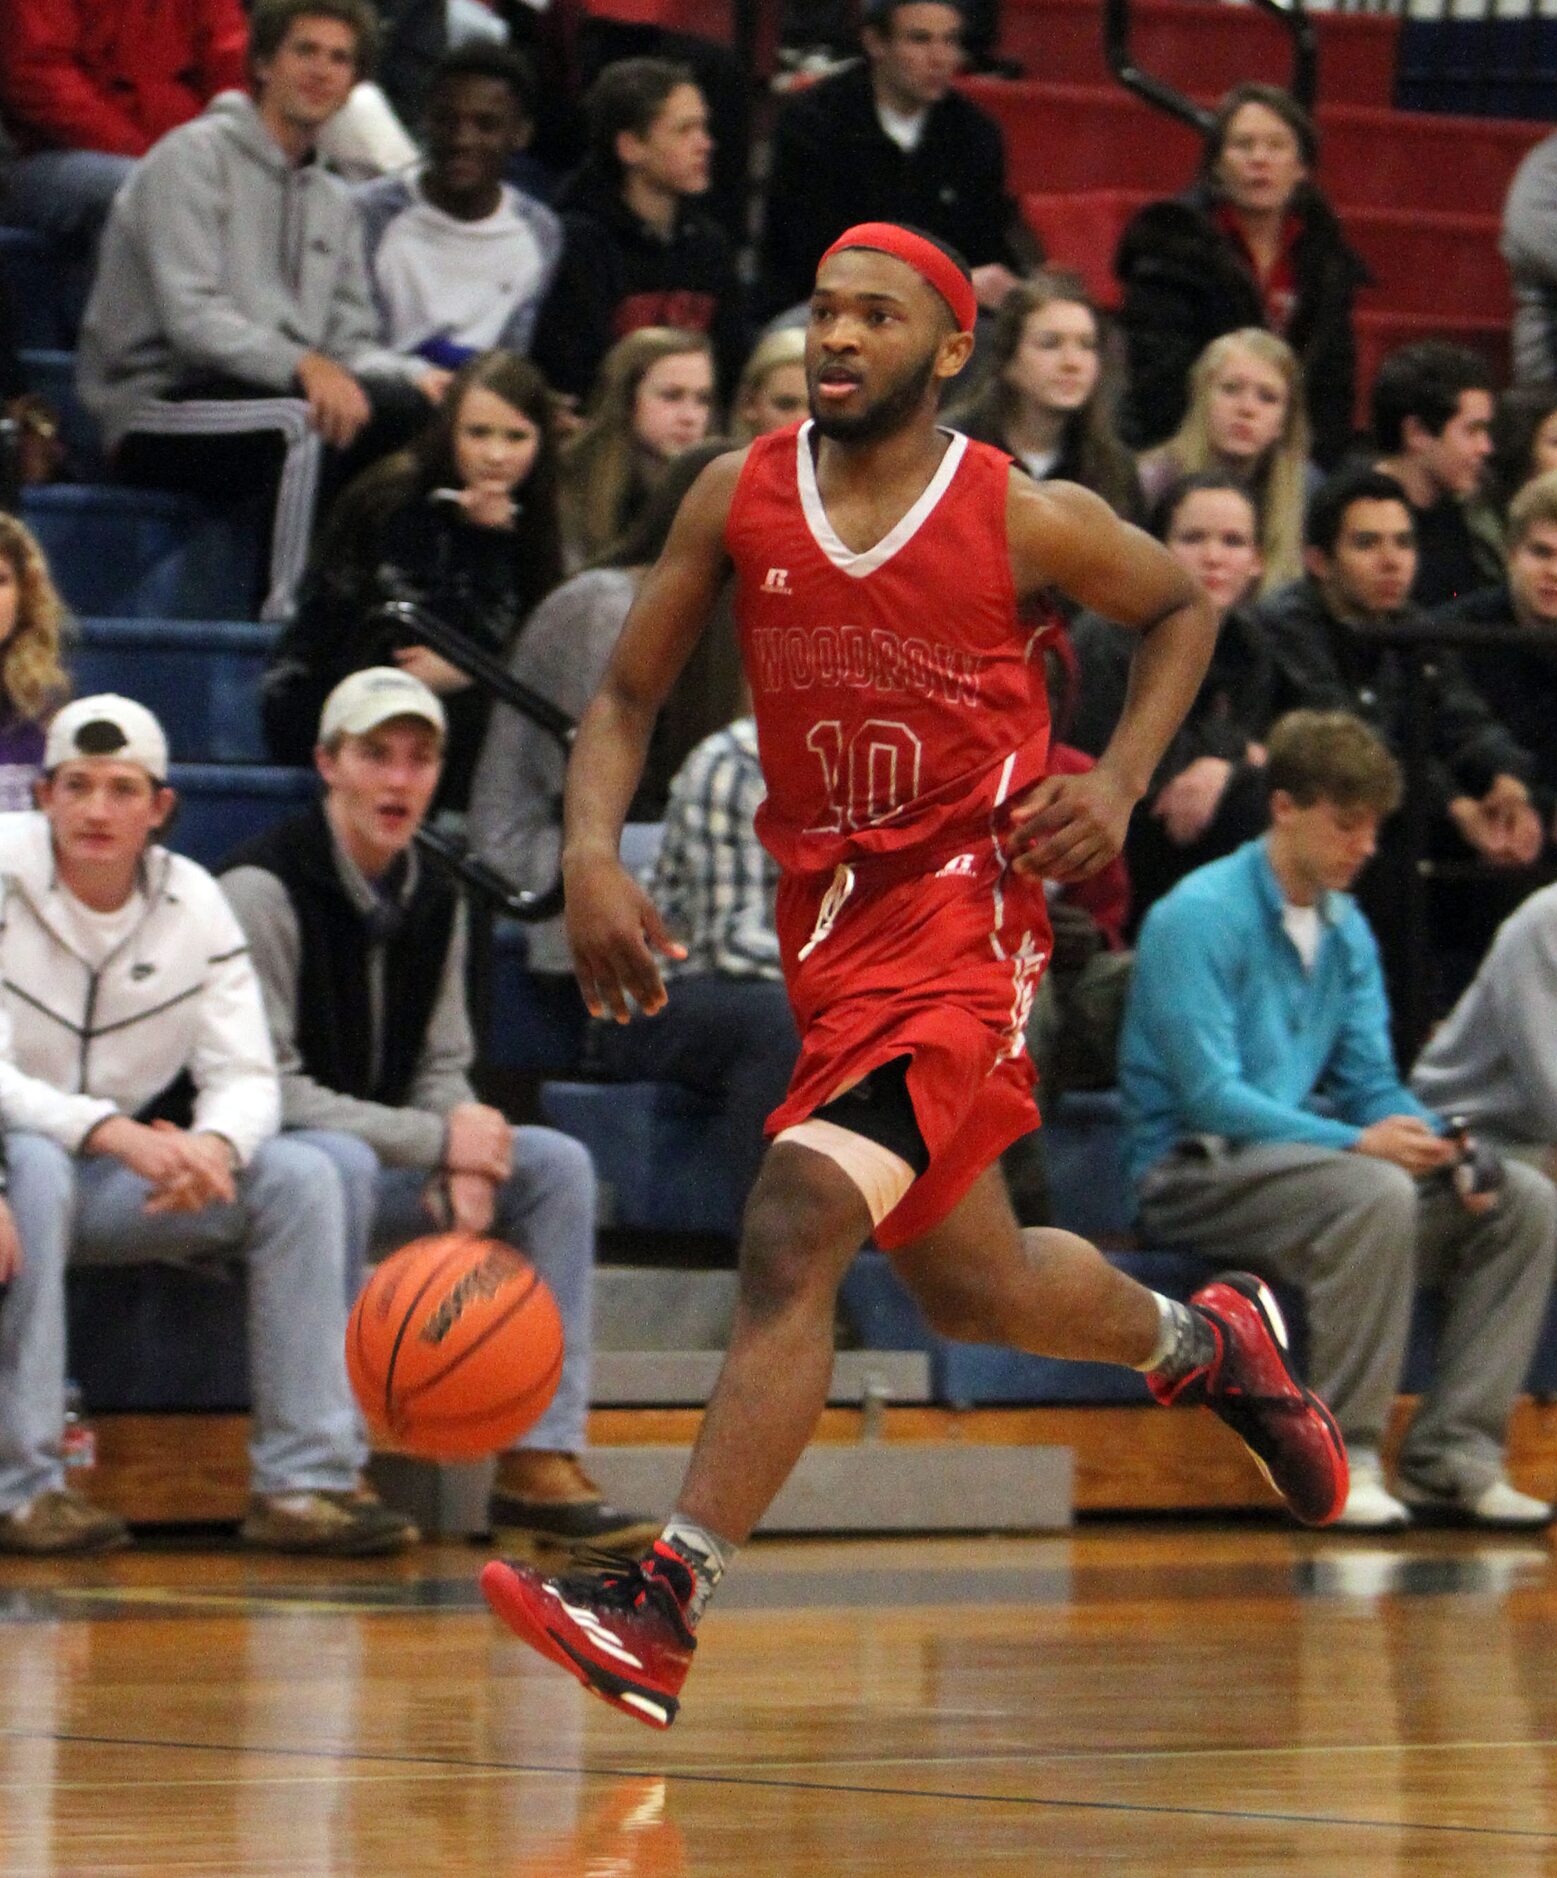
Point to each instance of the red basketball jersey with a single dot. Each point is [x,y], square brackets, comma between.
[899,702]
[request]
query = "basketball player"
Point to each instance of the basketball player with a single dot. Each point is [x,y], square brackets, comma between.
[880,562]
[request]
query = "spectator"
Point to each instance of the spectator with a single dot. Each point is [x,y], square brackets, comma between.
[32,681]
[1520,682]
[639,252]
[889,140]
[1246,419]
[1328,636]
[1524,439]
[1530,248]
[126,977]
[465,524]
[360,952]
[231,329]
[654,399]
[1432,424]
[460,259]
[1208,795]
[1492,1062]
[727,1031]
[1256,992]
[88,86]
[1047,398]
[1252,242]
[516,799]
[771,391]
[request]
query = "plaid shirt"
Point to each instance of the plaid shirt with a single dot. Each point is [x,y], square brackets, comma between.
[713,881]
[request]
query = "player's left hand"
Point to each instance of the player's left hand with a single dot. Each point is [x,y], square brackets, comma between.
[1070,826]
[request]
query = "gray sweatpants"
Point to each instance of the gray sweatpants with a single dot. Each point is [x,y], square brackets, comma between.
[1358,1235]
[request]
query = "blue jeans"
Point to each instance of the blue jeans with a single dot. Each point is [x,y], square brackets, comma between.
[546,1207]
[288,1226]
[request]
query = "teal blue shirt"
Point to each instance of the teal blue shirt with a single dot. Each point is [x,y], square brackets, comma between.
[1227,1033]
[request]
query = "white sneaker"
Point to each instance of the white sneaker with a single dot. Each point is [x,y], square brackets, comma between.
[1498,1508]
[1505,1505]
[1370,1506]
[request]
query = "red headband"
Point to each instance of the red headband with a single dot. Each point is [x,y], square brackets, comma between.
[927,261]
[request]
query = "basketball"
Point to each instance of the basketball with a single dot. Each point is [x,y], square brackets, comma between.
[454,1348]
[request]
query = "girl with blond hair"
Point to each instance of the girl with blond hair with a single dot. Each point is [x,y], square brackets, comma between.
[32,680]
[771,391]
[654,398]
[1246,420]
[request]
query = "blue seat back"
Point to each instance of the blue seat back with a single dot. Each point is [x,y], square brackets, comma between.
[144,553]
[200,678]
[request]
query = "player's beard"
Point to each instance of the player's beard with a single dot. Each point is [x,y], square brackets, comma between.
[888,413]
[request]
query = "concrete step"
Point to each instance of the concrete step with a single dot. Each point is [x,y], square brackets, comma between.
[652,1307]
[676,1378]
[876,1487]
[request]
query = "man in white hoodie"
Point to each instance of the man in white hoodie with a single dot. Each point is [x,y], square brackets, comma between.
[125,983]
[231,329]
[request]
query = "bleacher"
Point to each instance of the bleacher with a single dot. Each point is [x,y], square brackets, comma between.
[162,586]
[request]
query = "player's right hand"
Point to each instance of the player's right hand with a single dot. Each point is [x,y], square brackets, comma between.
[614,931]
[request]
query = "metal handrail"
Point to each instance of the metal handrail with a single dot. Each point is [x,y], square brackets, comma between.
[1165,97]
[422,627]
[517,902]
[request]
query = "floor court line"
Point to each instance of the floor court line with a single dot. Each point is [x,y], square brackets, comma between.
[706,1777]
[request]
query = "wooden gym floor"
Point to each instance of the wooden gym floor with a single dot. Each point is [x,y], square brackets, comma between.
[1181,1698]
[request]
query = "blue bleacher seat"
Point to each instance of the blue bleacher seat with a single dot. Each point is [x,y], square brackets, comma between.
[221,804]
[145,1339]
[657,1151]
[144,553]
[538,1018]
[1083,1140]
[51,373]
[40,289]
[200,678]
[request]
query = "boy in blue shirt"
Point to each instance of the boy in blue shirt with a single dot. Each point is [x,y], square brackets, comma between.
[1266,1116]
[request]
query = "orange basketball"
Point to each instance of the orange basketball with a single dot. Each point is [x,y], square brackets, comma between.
[454,1348]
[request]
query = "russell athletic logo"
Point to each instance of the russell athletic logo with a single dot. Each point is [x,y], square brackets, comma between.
[777,581]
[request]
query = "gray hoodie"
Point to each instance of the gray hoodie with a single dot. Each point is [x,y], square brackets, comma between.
[1530,249]
[222,258]
[1494,1058]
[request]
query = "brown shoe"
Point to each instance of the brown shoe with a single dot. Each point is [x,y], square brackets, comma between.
[546,1502]
[61,1521]
[329,1524]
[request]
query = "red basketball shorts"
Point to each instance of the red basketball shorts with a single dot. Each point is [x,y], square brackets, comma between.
[939,967]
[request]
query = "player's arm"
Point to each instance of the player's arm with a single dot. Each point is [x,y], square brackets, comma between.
[1063,536]
[613,928]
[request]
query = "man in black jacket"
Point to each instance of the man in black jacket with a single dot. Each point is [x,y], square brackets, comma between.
[638,251]
[889,140]
[1432,422]
[1329,637]
[1520,681]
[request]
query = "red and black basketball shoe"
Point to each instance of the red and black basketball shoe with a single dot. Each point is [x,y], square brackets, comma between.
[1250,1384]
[623,1633]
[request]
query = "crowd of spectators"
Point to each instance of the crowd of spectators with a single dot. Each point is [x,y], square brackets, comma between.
[470,357]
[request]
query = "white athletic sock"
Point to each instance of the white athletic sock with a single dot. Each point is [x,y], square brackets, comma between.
[1184,1340]
[705,1555]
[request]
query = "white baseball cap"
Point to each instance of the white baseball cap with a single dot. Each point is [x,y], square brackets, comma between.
[372,697]
[107,725]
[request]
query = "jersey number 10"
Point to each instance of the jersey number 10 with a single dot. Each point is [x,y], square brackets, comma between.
[868,778]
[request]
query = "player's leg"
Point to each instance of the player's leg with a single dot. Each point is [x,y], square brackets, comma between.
[981,1278]
[977,1277]
[805,1221]
[628,1636]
